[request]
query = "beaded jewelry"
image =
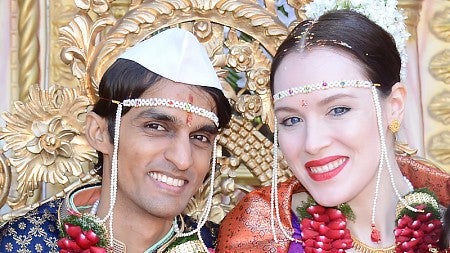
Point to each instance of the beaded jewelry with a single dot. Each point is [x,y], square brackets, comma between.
[139,102]
[322,86]
[383,153]
[114,171]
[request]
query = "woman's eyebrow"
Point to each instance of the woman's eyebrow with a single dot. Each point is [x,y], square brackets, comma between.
[332,98]
[322,102]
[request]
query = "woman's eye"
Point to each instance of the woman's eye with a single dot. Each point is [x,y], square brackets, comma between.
[155,126]
[337,111]
[291,121]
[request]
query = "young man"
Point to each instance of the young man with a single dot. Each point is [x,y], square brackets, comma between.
[159,110]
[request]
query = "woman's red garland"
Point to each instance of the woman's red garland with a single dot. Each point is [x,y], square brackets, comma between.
[326,228]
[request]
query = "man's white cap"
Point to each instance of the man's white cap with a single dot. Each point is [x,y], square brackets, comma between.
[177,55]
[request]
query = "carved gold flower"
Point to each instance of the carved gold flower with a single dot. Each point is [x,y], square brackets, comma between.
[250,106]
[241,53]
[241,58]
[258,80]
[46,137]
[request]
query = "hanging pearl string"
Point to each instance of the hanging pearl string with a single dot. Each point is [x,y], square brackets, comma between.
[94,207]
[273,190]
[384,153]
[113,183]
[204,217]
[274,193]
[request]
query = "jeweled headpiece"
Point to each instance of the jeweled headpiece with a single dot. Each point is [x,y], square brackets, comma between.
[382,12]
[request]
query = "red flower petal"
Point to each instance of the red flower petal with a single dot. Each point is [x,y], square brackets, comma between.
[91,236]
[97,250]
[63,243]
[83,242]
[72,230]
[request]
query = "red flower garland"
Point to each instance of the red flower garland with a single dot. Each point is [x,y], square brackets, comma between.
[324,229]
[79,241]
[81,234]
[417,235]
[327,230]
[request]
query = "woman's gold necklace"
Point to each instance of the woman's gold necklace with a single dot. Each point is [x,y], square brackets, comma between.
[364,248]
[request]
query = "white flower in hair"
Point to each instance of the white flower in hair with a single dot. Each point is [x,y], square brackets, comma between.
[383,12]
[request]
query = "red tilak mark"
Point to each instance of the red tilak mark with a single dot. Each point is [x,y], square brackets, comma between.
[189,114]
[304,103]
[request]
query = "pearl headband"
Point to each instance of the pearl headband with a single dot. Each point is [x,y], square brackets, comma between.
[139,102]
[322,86]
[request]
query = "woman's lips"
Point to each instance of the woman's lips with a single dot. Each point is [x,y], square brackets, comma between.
[326,168]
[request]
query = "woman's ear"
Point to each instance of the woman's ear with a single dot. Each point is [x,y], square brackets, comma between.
[395,103]
[97,133]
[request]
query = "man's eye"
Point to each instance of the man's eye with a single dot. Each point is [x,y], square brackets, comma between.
[154,126]
[291,121]
[340,110]
[201,138]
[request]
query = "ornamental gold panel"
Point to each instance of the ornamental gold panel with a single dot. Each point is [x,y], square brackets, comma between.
[439,147]
[440,66]
[440,24]
[439,107]
[46,138]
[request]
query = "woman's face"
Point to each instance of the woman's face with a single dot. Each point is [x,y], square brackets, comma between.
[329,137]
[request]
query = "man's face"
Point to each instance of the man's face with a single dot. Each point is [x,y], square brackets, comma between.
[164,153]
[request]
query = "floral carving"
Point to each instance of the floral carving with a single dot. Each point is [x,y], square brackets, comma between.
[47,138]
[439,66]
[250,106]
[240,57]
[439,107]
[440,147]
[258,80]
[241,53]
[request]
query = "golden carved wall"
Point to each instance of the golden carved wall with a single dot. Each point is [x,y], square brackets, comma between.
[71,42]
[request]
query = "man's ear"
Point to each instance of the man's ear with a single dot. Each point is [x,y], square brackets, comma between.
[395,103]
[97,133]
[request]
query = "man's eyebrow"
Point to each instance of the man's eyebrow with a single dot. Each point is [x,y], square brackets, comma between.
[155,114]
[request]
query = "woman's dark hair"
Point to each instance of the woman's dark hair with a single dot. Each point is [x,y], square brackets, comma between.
[126,79]
[350,32]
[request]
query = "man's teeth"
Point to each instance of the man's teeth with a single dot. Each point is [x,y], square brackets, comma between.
[327,167]
[167,180]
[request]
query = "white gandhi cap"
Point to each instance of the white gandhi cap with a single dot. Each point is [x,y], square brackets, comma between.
[177,55]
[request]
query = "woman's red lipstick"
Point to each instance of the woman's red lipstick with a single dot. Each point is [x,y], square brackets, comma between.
[326,168]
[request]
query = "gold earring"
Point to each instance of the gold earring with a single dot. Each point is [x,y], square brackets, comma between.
[394,126]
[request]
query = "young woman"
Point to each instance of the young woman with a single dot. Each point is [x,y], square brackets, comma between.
[338,101]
